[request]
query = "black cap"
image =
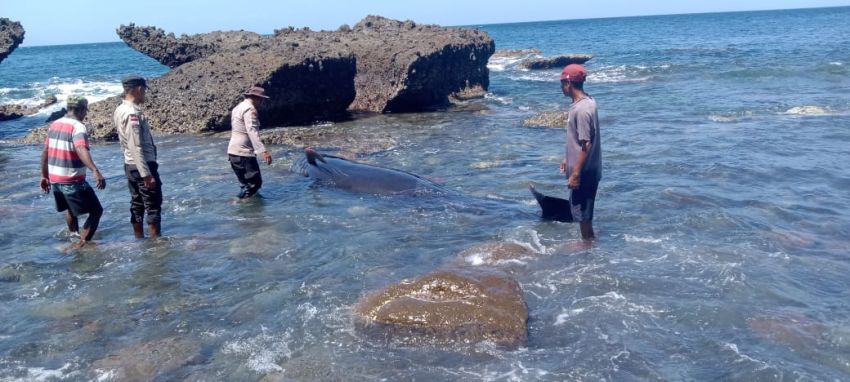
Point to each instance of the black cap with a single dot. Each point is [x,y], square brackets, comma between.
[133,81]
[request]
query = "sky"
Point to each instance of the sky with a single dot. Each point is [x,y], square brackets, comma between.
[86,21]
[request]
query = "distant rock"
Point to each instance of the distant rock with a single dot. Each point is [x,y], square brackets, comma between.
[10,112]
[555,62]
[447,307]
[11,35]
[516,52]
[148,361]
[552,119]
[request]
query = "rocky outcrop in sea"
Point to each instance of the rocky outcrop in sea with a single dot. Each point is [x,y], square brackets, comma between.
[379,65]
[11,35]
[15,111]
[555,61]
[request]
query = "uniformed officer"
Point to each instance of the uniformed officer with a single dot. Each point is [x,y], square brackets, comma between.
[140,164]
[245,143]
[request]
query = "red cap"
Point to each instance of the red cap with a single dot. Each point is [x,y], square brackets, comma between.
[574,73]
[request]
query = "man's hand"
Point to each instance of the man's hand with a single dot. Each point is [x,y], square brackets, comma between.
[267,157]
[150,182]
[563,166]
[574,182]
[100,180]
[45,185]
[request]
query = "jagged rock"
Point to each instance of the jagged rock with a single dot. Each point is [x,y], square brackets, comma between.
[174,51]
[553,119]
[472,92]
[11,35]
[153,360]
[496,253]
[445,307]
[10,112]
[555,62]
[401,66]
[516,52]
[306,82]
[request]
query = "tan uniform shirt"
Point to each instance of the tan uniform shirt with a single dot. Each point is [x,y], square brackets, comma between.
[134,133]
[245,136]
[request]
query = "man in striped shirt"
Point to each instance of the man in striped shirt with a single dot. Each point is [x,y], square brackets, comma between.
[63,166]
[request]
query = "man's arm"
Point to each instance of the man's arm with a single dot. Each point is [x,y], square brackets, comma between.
[252,127]
[85,157]
[44,183]
[584,132]
[575,176]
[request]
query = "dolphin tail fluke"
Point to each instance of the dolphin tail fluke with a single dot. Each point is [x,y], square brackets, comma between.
[313,156]
[553,208]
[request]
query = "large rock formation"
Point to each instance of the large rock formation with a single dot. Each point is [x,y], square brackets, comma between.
[555,62]
[305,80]
[401,66]
[444,307]
[11,35]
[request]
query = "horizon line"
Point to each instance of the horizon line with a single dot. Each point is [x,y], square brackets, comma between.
[117,40]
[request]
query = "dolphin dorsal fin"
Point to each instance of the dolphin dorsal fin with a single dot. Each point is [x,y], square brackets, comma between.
[312,156]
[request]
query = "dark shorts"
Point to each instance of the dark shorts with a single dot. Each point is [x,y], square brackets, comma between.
[583,199]
[142,199]
[77,197]
[247,170]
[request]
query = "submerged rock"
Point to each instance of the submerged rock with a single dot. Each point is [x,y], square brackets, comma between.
[496,253]
[11,35]
[153,360]
[445,307]
[553,119]
[555,62]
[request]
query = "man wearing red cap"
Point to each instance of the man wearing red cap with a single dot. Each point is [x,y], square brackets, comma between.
[583,159]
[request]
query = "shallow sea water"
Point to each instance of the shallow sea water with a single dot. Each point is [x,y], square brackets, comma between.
[722,222]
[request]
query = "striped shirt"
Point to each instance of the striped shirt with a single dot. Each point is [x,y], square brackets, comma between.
[63,138]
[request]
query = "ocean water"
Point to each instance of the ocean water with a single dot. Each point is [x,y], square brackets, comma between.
[722,219]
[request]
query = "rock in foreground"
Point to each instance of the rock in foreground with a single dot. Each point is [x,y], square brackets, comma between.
[11,35]
[173,51]
[448,307]
[555,62]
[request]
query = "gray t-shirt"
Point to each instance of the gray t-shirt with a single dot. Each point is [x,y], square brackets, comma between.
[583,125]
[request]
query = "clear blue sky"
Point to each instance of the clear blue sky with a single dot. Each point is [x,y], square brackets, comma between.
[63,22]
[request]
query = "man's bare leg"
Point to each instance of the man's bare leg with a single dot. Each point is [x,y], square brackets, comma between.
[153,230]
[71,220]
[138,231]
[587,231]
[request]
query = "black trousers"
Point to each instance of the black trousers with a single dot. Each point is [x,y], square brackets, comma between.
[143,199]
[247,170]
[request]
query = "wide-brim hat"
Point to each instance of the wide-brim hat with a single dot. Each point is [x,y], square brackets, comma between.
[256,91]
